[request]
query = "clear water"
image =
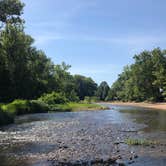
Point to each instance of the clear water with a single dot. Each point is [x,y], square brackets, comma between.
[150,123]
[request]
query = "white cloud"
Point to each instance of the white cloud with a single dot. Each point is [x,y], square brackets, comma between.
[126,40]
[134,41]
[43,39]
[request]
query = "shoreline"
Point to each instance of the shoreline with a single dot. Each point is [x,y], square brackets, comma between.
[158,106]
[8,115]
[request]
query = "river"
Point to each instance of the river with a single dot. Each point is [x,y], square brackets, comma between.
[85,138]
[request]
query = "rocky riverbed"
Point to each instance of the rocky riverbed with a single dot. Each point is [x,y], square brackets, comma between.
[82,138]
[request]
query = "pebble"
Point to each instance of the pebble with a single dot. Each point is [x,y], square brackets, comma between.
[120,162]
[79,140]
[131,162]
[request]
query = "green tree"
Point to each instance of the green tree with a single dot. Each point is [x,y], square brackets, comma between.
[103,90]
[25,72]
[143,80]
[159,63]
[14,52]
[10,12]
[84,86]
[41,73]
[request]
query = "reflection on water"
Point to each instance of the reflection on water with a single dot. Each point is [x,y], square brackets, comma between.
[154,119]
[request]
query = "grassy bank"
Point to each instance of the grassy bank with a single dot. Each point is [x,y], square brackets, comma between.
[20,107]
[158,106]
[85,106]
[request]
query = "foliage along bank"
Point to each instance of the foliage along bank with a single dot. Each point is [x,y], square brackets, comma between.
[53,102]
[26,73]
[144,80]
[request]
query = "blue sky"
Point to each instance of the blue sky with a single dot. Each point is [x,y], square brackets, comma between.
[96,37]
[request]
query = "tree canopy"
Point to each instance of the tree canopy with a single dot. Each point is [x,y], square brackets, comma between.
[85,86]
[25,71]
[10,11]
[102,91]
[143,80]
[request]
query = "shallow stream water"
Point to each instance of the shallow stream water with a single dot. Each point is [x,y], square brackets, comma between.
[43,139]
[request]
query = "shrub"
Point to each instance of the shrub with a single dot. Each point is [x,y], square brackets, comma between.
[37,106]
[17,107]
[91,99]
[60,108]
[5,118]
[72,96]
[151,99]
[95,99]
[20,107]
[53,98]
[87,99]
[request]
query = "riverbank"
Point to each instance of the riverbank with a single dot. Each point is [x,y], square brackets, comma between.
[158,106]
[8,112]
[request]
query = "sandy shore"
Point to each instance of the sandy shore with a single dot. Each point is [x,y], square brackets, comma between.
[159,106]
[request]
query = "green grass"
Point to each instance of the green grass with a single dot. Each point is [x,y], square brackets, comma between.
[21,107]
[73,107]
[144,142]
[85,106]
[59,108]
